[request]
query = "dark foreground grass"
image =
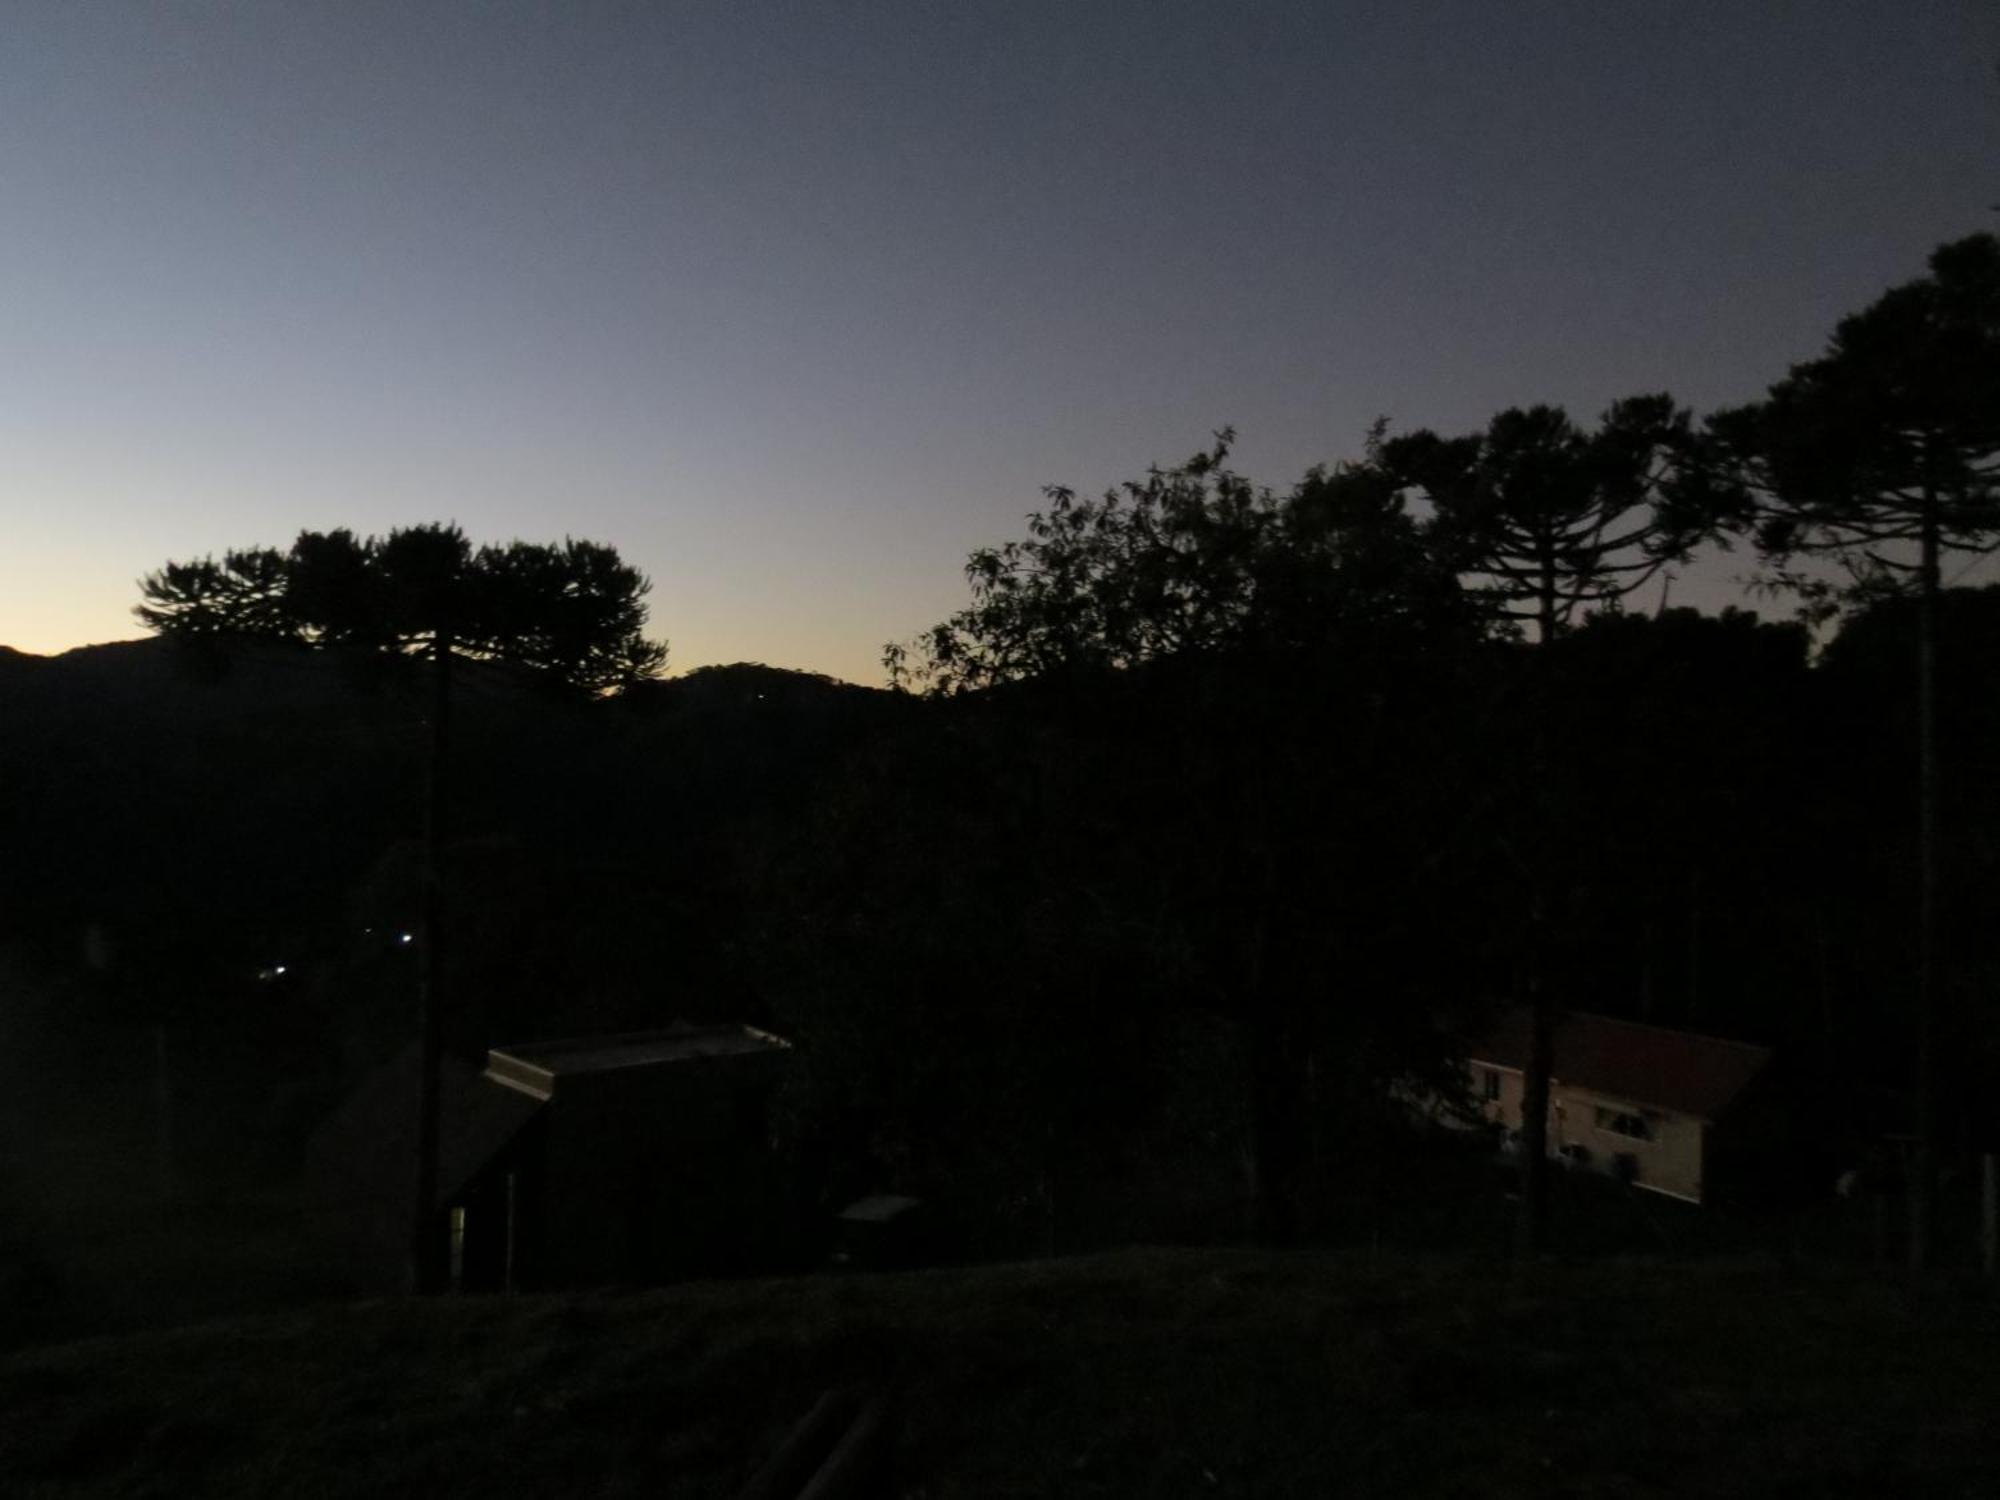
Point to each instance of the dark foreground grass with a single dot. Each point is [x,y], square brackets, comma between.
[1141,1373]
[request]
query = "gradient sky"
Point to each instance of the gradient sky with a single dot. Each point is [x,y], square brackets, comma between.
[796,304]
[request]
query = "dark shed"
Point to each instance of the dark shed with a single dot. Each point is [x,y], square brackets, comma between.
[631,1158]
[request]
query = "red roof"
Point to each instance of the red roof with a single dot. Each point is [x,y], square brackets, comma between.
[1680,1071]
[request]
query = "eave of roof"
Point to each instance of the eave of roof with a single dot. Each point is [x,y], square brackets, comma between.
[1683,1072]
[534,1067]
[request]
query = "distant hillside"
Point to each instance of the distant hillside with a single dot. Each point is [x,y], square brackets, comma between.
[161,792]
[171,790]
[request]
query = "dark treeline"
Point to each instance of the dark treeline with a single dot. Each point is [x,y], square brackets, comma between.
[1085,961]
[1206,833]
[1005,919]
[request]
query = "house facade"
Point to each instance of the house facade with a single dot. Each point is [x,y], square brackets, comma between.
[1639,1102]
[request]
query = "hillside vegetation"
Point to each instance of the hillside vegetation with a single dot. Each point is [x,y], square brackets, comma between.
[1154,1372]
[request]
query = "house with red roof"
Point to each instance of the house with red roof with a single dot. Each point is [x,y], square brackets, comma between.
[1636,1101]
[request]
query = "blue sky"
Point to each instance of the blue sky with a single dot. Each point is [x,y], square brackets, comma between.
[797,304]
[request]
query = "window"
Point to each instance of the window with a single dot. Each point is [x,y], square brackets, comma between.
[1489,1084]
[1633,1126]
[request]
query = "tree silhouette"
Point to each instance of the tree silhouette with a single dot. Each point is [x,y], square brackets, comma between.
[1550,519]
[244,594]
[573,610]
[1884,455]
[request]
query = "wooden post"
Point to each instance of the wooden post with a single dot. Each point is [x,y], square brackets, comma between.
[1694,945]
[507,1273]
[163,1117]
[1989,1213]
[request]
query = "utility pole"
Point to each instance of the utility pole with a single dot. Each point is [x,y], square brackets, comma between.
[428,1250]
[1531,1229]
[1989,1213]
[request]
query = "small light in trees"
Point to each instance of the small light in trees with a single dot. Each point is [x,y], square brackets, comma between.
[406,937]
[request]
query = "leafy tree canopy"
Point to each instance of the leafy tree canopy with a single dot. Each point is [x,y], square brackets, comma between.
[1189,560]
[573,609]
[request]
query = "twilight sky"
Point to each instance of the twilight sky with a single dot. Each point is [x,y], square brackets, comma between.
[796,304]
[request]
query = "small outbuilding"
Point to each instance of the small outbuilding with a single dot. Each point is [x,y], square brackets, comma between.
[882,1231]
[632,1158]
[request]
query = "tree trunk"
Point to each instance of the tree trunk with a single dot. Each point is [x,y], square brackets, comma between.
[1545,613]
[1277,1126]
[1989,1214]
[1531,1228]
[163,1117]
[1693,1002]
[1649,951]
[1923,1169]
[429,1249]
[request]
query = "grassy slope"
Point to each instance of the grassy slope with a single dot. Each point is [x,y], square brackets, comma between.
[1146,1372]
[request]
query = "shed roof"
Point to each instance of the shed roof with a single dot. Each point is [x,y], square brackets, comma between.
[368,1147]
[535,1067]
[1682,1071]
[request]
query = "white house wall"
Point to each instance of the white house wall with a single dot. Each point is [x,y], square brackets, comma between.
[1669,1163]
